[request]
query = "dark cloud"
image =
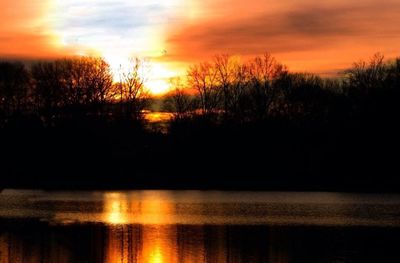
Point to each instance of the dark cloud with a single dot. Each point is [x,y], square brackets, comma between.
[301,28]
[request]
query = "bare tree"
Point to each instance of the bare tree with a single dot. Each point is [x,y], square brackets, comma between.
[263,71]
[394,74]
[224,67]
[48,88]
[239,100]
[178,101]
[203,79]
[98,83]
[365,76]
[14,87]
[78,85]
[133,93]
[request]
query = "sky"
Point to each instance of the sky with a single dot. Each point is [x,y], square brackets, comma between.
[323,37]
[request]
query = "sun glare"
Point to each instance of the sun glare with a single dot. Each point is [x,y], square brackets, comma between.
[118,32]
[116,207]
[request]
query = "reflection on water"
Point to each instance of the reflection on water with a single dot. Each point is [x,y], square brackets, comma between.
[170,226]
[157,116]
[40,242]
[121,208]
[157,121]
[197,207]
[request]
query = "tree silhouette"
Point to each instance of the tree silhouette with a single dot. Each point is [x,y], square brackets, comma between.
[73,86]
[134,96]
[224,67]
[178,101]
[203,78]
[14,88]
[263,72]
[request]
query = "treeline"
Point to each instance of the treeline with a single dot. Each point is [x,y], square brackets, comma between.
[70,88]
[223,90]
[255,124]
[237,124]
[228,90]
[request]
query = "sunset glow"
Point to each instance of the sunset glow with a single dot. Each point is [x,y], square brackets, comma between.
[117,31]
[116,207]
[173,34]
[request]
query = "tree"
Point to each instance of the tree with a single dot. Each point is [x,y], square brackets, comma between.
[203,78]
[178,101]
[224,67]
[134,97]
[77,86]
[239,100]
[14,87]
[364,76]
[48,87]
[264,71]
[97,82]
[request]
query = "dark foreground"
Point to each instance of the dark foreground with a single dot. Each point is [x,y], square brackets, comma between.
[274,155]
[281,131]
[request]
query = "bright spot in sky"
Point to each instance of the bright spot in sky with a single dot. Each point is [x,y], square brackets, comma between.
[118,30]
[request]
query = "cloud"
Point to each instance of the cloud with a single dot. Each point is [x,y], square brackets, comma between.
[24,31]
[108,24]
[305,34]
[313,26]
[58,27]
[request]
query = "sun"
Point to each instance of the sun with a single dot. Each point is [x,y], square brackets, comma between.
[157,75]
[159,78]
[118,30]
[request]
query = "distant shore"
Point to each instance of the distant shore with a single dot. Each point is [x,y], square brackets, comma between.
[253,126]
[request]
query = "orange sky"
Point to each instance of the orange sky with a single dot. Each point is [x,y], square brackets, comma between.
[307,35]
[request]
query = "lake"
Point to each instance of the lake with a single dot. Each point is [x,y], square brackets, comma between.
[198,226]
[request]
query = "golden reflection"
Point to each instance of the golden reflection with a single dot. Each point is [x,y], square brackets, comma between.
[159,244]
[151,241]
[153,117]
[156,256]
[144,208]
[115,207]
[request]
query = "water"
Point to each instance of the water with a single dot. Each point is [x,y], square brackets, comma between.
[157,121]
[198,226]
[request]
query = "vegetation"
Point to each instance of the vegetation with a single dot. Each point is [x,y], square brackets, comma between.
[236,124]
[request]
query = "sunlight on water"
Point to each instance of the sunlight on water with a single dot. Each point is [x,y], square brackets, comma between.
[120,208]
[186,226]
[158,116]
[156,256]
[197,207]
[115,207]
[158,244]
[155,240]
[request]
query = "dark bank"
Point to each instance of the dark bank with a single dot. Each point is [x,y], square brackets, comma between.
[65,125]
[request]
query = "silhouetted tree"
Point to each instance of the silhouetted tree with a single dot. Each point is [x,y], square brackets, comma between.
[178,101]
[307,97]
[370,86]
[239,99]
[263,72]
[224,67]
[14,88]
[393,79]
[76,86]
[203,78]
[134,97]
[364,77]
[94,77]
[48,88]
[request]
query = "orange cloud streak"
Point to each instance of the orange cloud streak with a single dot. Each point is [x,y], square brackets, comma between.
[25,30]
[311,35]
[308,35]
